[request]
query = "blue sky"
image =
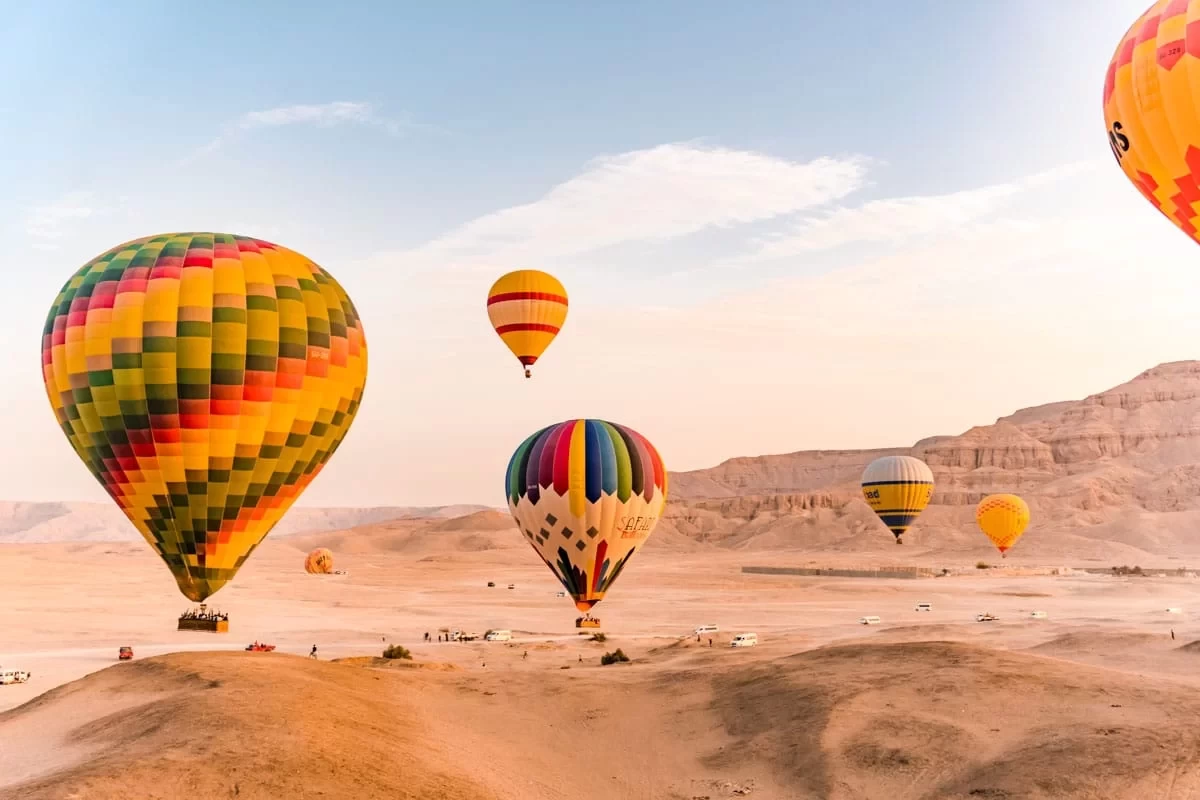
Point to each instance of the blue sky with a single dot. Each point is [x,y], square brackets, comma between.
[817,202]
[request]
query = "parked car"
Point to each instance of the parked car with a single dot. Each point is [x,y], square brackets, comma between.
[498,636]
[1038,614]
[512,586]
[986,618]
[705,630]
[924,607]
[125,653]
[14,676]
[744,640]
[491,584]
[869,620]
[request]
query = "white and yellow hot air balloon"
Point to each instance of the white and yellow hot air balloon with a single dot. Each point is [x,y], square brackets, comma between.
[897,488]
[527,309]
[1003,518]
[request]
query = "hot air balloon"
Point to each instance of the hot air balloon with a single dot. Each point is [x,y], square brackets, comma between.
[897,488]
[1002,518]
[204,379]
[586,494]
[527,308]
[319,562]
[1152,118]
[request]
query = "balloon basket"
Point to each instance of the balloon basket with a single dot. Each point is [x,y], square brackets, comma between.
[201,619]
[587,622]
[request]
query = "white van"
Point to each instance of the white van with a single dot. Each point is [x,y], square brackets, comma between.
[744,640]
[871,620]
[705,629]
[1037,614]
[498,636]
[924,607]
[13,676]
[1174,610]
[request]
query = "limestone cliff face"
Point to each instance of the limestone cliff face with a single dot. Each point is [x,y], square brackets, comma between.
[1097,471]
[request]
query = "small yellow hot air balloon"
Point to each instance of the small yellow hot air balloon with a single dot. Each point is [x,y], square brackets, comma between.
[527,308]
[1151,113]
[319,562]
[897,488]
[1002,518]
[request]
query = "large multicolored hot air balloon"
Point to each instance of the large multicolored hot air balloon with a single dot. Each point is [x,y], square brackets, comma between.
[586,494]
[897,488]
[1151,113]
[319,562]
[204,379]
[1002,518]
[527,308]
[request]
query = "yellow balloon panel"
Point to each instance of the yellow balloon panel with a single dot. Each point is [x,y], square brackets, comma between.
[204,379]
[1149,108]
[1003,518]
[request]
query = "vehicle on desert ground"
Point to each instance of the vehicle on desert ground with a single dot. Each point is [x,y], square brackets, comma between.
[986,618]
[491,584]
[468,637]
[1037,614]
[1174,610]
[869,620]
[14,676]
[744,640]
[924,607]
[498,636]
[703,630]
[512,586]
[125,653]
[260,647]
[561,594]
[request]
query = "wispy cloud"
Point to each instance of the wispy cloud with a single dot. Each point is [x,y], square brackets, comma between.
[655,194]
[324,115]
[904,217]
[46,224]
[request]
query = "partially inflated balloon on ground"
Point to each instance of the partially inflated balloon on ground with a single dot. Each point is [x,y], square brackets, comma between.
[1151,112]
[1003,518]
[204,379]
[527,309]
[586,494]
[319,562]
[897,488]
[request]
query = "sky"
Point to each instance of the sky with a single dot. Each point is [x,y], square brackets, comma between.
[782,226]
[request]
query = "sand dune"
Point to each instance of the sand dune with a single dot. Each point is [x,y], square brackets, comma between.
[864,720]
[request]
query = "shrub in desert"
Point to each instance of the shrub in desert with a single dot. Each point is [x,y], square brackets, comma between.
[396,651]
[981,565]
[615,657]
[599,637]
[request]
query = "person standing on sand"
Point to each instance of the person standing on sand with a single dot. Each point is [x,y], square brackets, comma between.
[313,654]
[710,642]
[1172,634]
[525,655]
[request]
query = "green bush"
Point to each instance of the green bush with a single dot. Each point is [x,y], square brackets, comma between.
[599,637]
[396,651]
[615,657]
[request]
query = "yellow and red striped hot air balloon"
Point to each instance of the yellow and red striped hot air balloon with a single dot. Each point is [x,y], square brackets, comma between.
[527,308]
[1003,518]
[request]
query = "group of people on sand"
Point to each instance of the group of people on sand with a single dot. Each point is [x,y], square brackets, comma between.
[208,616]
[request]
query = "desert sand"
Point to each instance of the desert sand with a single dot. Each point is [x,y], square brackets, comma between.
[1096,700]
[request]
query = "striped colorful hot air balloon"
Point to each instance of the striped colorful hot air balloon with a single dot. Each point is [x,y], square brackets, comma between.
[319,562]
[586,495]
[1003,518]
[527,309]
[897,488]
[204,379]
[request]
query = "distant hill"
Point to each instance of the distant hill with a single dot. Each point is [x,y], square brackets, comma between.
[29,523]
[1113,477]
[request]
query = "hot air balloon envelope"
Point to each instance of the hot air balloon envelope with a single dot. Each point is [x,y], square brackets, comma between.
[319,562]
[527,309]
[897,488]
[204,379]
[1003,518]
[1151,113]
[586,494]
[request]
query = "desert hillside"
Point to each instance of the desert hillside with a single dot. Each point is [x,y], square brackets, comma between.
[929,720]
[1114,477]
